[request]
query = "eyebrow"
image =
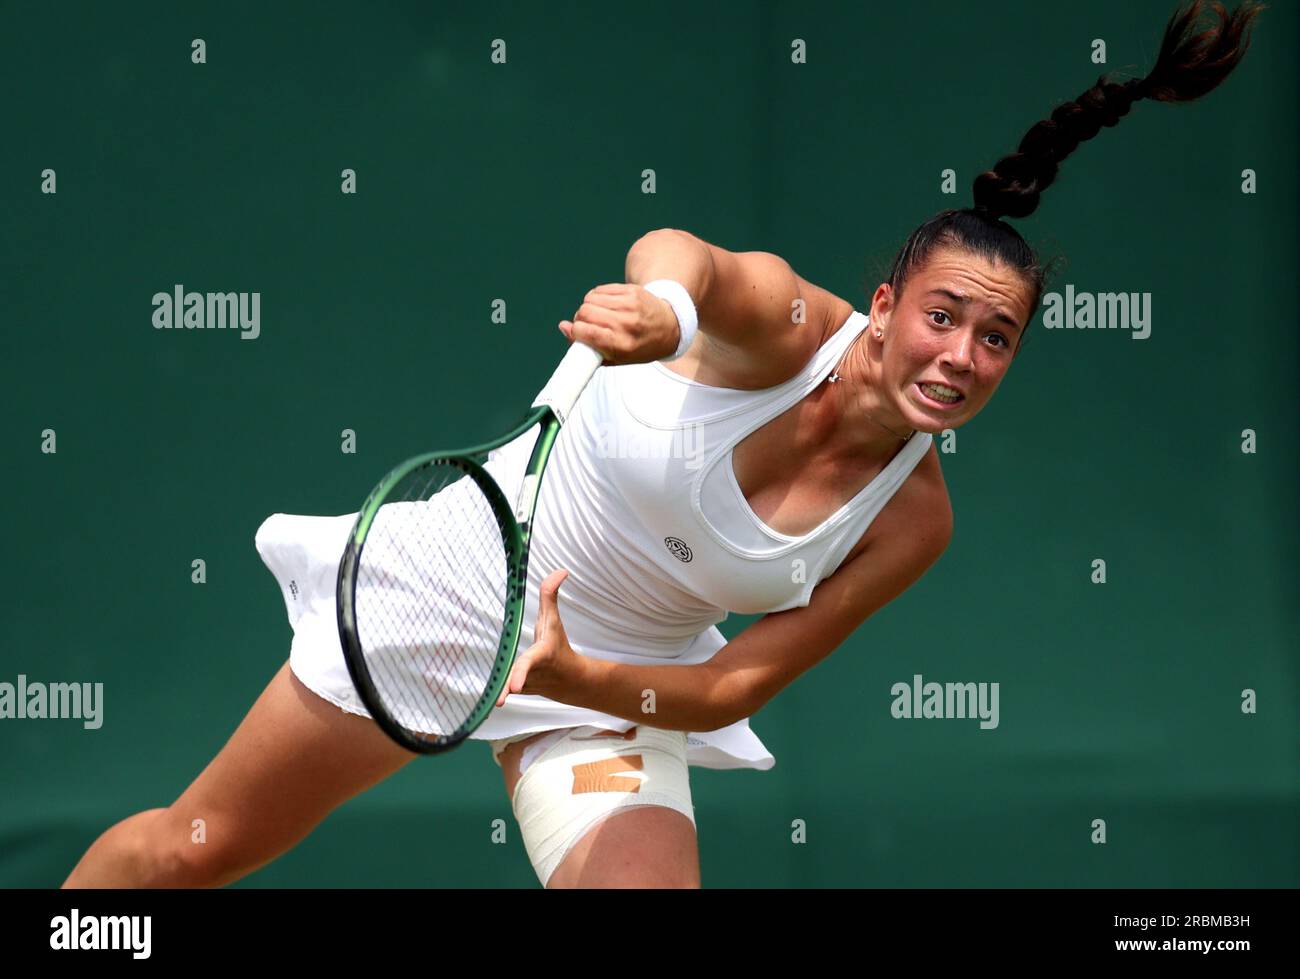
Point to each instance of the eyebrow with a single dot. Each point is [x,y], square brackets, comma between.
[962,299]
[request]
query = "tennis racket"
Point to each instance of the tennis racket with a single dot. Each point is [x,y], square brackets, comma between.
[432,583]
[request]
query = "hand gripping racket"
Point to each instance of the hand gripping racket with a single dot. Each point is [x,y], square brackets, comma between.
[432,583]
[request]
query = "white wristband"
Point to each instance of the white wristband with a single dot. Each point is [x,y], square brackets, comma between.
[680,300]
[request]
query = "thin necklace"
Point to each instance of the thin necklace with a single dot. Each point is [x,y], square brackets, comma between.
[835,376]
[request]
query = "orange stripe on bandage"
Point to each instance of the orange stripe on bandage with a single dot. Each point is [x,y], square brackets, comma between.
[599,776]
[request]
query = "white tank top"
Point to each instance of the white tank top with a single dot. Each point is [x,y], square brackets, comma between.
[641,504]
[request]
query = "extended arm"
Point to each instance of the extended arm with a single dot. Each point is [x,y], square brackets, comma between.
[752,668]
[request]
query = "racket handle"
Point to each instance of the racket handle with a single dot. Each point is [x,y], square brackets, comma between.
[561,392]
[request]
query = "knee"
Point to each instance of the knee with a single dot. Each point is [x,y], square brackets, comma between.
[190,855]
[144,850]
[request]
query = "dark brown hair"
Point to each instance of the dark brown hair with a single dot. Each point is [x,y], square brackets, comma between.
[1189,66]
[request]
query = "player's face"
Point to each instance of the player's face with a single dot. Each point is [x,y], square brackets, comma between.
[957,323]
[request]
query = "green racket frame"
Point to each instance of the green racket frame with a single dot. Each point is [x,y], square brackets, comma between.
[549,410]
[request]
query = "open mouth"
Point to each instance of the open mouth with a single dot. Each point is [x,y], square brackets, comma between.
[939,396]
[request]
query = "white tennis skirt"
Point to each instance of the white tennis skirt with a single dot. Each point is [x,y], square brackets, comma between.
[303,552]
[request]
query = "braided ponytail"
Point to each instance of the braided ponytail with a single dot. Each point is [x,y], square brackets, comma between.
[1189,65]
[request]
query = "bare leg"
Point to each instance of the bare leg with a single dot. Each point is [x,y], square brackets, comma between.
[293,760]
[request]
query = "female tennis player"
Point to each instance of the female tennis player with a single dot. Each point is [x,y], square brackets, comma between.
[783,465]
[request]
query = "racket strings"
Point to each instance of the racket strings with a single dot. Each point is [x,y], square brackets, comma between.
[423,657]
[431,590]
[422,637]
[430,658]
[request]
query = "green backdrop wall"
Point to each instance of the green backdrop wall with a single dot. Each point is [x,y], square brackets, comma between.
[523,181]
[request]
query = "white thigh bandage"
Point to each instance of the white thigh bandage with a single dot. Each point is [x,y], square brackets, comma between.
[586,775]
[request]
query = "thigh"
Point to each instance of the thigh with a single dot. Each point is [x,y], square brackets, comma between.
[607,809]
[292,760]
[640,846]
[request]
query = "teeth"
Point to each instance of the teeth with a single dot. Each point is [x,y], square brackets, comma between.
[941,393]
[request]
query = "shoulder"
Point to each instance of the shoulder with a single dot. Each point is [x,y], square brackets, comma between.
[761,324]
[904,541]
[917,522]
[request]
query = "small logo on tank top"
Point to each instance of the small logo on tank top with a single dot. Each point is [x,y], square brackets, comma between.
[678,549]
